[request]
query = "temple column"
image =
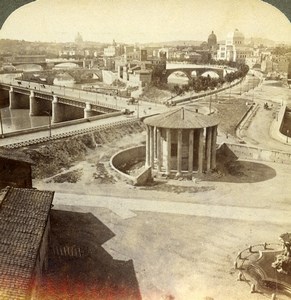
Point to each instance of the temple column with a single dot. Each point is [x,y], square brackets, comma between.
[12,99]
[169,145]
[147,146]
[200,151]
[152,146]
[159,148]
[190,154]
[208,147]
[213,146]
[88,112]
[179,153]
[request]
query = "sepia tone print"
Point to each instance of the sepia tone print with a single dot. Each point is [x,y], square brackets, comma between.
[145,150]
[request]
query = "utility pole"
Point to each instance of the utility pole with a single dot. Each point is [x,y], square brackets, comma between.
[2,133]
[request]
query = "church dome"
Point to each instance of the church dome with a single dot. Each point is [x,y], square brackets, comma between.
[235,38]
[212,39]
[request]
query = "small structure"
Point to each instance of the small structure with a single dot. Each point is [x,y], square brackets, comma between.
[24,230]
[269,265]
[15,169]
[283,261]
[181,141]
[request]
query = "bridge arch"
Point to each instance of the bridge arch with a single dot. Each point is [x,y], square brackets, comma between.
[179,77]
[173,71]
[66,65]
[210,73]
[29,67]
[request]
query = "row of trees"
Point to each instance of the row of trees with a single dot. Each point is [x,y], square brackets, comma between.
[203,83]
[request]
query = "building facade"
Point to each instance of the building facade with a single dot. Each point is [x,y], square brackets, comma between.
[234,48]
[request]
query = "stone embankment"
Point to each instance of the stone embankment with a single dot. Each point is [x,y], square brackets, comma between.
[56,155]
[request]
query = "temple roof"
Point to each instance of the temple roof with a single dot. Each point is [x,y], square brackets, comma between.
[182,118]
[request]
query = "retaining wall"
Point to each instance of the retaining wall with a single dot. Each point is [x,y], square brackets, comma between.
[276,126]
[62,124]
[254,153]
[120,162]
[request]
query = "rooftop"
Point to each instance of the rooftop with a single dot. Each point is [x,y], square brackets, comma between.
[23,218]
[182,118]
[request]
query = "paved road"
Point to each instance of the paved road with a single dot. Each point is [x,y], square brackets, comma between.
[258,133]
[125,207]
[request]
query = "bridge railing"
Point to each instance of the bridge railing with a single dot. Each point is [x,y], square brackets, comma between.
[71,133]
[48,95]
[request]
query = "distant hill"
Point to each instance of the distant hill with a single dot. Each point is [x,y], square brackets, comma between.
[173,43]
[260,41]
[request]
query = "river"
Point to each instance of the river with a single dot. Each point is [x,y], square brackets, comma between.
[18,119]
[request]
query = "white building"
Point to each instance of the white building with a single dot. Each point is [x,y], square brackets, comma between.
[234,48]
[110,51]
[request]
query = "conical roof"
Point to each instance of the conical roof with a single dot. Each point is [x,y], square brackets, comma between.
[182,118]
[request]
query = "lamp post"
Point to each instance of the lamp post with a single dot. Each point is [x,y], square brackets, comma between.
[137,111]
[2,133]
[49,123]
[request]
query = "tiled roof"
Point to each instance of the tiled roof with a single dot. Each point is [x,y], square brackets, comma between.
[181,118]
[23,218]
[15,155]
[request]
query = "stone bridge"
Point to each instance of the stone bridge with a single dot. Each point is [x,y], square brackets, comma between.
[187,69]
[61,108]
[46,64]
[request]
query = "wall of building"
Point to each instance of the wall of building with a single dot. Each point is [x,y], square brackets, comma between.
[15,173]
[41,262]
[109,77]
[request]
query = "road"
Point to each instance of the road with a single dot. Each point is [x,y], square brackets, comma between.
[125,208]
[258,132]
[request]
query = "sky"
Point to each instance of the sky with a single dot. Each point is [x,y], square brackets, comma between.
[144,21]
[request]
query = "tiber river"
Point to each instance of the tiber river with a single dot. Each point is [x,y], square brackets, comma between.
[17,119]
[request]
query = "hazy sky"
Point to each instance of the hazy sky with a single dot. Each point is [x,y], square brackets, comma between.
[144,20]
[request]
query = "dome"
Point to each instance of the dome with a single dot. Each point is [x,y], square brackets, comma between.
[235,34]
[212,39]
[235,38]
